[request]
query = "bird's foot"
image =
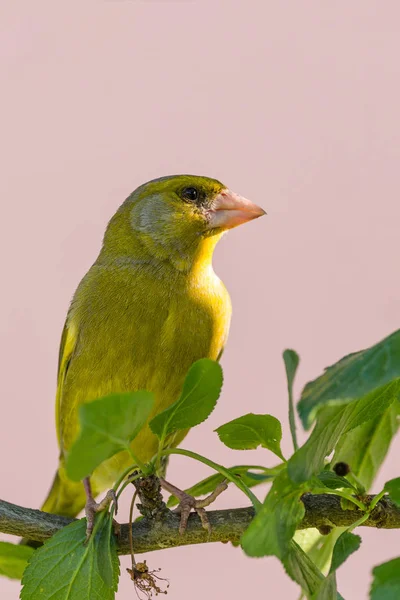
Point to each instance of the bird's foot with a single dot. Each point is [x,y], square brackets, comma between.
[92,508]
[188,503]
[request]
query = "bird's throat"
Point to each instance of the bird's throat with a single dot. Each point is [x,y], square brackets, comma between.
[196,259]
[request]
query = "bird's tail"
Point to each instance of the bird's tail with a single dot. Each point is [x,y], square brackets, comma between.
[66,498]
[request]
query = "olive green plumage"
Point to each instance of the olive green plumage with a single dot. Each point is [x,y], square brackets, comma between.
[148,308]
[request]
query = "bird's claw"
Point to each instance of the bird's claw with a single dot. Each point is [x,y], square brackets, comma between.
[184,508]
[187,503]
[92,508]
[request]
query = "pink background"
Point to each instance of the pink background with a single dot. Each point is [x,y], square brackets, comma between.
[293,104]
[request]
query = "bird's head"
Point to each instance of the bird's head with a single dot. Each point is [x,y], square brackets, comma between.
[177,219]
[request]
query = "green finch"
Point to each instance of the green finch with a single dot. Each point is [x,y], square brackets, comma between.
[149,307]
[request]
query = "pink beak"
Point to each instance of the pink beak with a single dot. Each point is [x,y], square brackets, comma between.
[230,210]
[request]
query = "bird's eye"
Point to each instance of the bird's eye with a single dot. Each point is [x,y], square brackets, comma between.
[190,193]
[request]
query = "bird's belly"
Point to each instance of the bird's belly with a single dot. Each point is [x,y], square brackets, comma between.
[152,353]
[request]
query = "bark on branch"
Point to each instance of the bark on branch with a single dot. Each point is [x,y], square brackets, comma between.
[322,511]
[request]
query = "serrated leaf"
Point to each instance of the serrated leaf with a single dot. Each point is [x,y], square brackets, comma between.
[13,559]
[330,480]
[393,489]
[273,527]
[108,425]
[346,544]
[107,550]
[250,431]
[366,447]
[319,548]
[327,590]
[353,377]
[386,582]
[372,405]
[244,472]
[303,571]
[199,396]
[66,569]
[335,421]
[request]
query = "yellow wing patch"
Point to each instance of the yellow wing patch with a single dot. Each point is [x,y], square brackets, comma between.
[67,346]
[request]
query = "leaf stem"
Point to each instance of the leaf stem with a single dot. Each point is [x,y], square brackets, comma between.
[375,500]
[142,466]
[369,510]
[220,469]
[122,477]
[132,505]
[292,421]
[126,483]
[360,521]
[159,452]
[355,501]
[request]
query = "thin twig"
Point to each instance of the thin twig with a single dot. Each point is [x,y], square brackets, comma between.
[130,529]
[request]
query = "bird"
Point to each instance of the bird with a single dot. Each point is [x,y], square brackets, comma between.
[148,308]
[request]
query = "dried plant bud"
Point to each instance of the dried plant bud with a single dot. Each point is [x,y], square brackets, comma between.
[145,580]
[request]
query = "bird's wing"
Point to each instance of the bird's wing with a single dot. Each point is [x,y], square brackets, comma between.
[67,346]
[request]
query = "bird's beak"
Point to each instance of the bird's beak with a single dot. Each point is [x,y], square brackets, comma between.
[229,210]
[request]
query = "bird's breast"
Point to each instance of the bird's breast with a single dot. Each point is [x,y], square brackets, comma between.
[137,333]
[142,332]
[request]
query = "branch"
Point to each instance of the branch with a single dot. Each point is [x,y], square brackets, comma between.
[322,511]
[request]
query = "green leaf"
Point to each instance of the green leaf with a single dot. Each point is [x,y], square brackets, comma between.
[365,447]
[330,480]
[303,571]
[386,582]
[393,489]
[244,472]
[273,527]
[372,405]
[250,431]
[353,377]
[345,545]
[199,396]
[13,559]
[108,425]
[333,422]
[66,569]
[319,548]
[107,550]
[327,590]
[256,478]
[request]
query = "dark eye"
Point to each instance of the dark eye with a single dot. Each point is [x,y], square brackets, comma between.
[190,193]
